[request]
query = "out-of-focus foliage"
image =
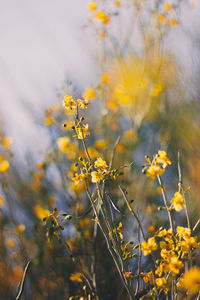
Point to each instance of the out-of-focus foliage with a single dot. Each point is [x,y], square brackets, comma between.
[85,222]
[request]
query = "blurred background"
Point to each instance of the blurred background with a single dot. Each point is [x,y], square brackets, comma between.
[138,63]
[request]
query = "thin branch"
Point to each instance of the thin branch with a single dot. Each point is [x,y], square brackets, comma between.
[139,264]
[196,225]
[113,152]
[132,210]
[22,281]
[181,190]
[165,202]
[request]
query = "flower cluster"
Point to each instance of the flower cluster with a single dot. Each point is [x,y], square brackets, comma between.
[157,166]
[173,250]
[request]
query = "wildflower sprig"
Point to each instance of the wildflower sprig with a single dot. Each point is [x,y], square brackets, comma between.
[157,166]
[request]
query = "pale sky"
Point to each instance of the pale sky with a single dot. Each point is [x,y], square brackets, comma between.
[41,42]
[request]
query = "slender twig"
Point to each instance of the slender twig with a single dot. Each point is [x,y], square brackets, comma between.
[131,210]
[113,152]
[165,202]
[181,190]
[139,263]
[22,281]
[196,225]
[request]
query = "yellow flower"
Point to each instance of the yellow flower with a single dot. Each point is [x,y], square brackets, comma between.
[6,142]
[69,104]
[117,3]
[120,230]
[149,246]
[154,170]
[1,201]
[82,103]
[191,280]
[159,271]
[151,229]
[147,277]
[4,166]
[82,132]
[78,178]
[89,94]
[63,144]
[105,78]
[162,284]
[175,265]
[11,243]
[157,89]
[92,6]
[162,19]
[120,148]
[173,22]
[128,275]
[20,228]
[177,201]
[183,232]
[163,159]
[101,15]
[92,153]
[40,212]
[49,121]
[97,176]
[76,277]
[100,145]
[167,6]
[100,164]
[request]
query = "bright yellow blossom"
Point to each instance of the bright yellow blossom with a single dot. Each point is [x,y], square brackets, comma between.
[154,170]
[76,277]
[105,78]
[120,230]
[78,177]
[183,232]
[147,277]
[149,246]
[167,6]
[89,94]
[63,144]
[100,164]
[97,176]
[82,132]
[82,103]
[175,265]
[157,89]
[163,159]
[191,280]
[6,142]
[177,201]
[49,121]
[162,284]
[69,104]
[173,22]
[92,6]
[117,3]
[101,15]
[1,201]
[4,166]
[40,212]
